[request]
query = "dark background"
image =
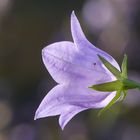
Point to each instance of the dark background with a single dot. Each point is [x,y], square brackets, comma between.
[26,26]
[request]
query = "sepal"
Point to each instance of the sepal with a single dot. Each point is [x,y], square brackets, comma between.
[114,100]
[124,67]
[110,67]
[108,87]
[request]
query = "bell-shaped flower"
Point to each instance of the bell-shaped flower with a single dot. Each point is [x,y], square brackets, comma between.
[75,66]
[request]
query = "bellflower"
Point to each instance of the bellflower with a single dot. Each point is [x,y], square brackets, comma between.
[75,66]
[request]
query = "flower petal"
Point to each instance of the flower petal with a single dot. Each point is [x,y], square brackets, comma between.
[68,100]
[51,104]
[67,116]
[66,65]
[84,45]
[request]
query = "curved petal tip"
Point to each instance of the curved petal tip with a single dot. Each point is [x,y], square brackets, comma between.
[36,115]
[73,13]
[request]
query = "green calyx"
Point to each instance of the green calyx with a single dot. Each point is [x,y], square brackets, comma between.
[116,85]
[120,85]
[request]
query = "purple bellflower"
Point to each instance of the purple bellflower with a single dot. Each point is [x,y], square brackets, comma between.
[75,66]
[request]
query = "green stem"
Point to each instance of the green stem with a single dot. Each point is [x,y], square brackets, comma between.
[130,84]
